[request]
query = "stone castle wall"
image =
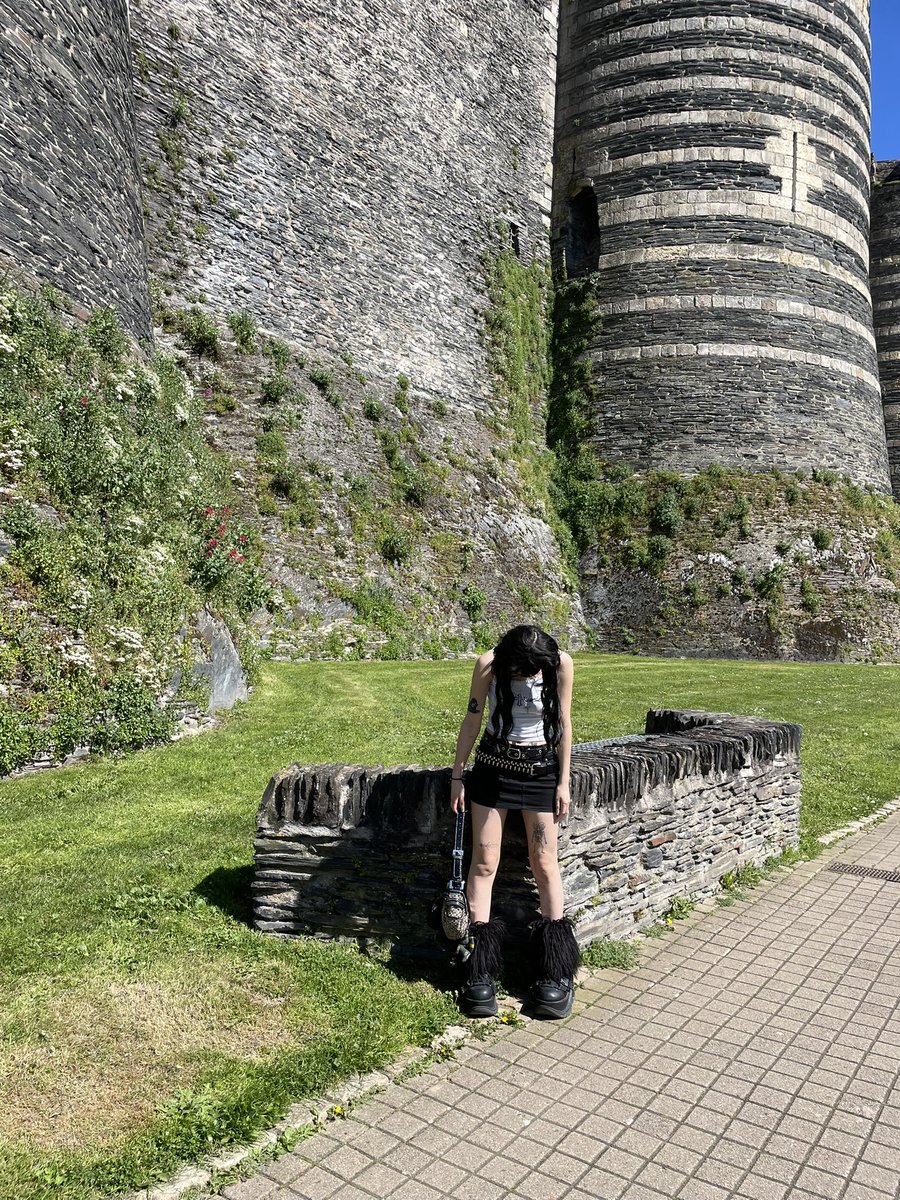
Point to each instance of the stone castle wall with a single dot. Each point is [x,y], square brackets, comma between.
[885,274]
[713,167]
[361,851]
[70,204]
[361,159]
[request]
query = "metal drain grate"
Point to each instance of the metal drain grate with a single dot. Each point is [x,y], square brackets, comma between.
[866,872]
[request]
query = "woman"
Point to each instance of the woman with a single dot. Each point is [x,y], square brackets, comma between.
[522,763]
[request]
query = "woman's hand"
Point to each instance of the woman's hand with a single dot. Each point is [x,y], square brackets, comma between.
[457,796]
[561,803]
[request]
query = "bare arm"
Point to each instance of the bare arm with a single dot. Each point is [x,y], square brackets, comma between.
[564,749]
[471,727]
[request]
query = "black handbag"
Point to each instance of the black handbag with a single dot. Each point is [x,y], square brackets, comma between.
[450,908]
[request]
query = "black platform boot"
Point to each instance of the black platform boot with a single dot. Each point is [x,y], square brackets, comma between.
[479,960]
[557,957]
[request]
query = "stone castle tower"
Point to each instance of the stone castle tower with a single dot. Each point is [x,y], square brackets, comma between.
[710,172]
[885,272]
[712,177]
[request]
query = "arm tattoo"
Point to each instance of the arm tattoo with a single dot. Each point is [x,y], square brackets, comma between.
[539,836]
[473,706]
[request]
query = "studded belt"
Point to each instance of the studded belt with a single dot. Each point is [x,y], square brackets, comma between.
[531,762]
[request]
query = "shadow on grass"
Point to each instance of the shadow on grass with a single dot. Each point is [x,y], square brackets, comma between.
[424,957]
[228,889]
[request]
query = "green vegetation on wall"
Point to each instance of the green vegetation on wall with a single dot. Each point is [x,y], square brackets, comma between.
[517,338]
[116,533]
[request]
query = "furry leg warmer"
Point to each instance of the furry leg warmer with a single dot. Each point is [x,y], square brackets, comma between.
[557,959]
[480,962]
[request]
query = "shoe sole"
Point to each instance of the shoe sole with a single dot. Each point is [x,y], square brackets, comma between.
[480,1010]
[553,1012]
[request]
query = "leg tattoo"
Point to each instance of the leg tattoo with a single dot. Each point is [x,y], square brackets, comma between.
[539,836]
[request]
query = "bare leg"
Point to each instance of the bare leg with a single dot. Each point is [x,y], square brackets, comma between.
[487,834]
[541,831]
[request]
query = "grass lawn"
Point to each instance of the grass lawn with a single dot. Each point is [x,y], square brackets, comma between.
[144,1023]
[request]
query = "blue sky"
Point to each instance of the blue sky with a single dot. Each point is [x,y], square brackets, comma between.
[885,78]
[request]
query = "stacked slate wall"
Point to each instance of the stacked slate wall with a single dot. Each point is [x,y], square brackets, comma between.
[360,851]
[70,204]
[361,160]
[712,177]
[885,273]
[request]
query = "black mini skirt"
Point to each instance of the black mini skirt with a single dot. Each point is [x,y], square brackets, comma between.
[499,789]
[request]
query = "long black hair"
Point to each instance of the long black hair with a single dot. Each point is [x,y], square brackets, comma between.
[525,650]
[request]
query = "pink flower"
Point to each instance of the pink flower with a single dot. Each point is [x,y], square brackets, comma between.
[83,401]
[207,393]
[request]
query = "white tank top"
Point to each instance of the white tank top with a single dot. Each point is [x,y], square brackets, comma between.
[527,710]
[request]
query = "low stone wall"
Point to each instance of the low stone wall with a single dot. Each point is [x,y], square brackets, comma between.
[360,851]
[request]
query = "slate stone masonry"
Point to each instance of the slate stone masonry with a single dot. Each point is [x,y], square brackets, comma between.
[362,157]
[885,270]
[360,851]
[70,201]
[719,138]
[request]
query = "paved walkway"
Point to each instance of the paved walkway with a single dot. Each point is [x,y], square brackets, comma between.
[755,1053]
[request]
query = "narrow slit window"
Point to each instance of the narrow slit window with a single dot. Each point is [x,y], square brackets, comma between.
[794,175]
[583,239]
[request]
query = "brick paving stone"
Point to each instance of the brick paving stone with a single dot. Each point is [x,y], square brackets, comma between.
[317,1184]
[284,1169]
[409,1159]
[756,1187]
[620,1162]
[749,1057]
[379,1179]
[504,1171]
[877,1178]
[413,1190]
[821,1183]
[250,1189]
[345,1162]
[600,1185]
[466,1155]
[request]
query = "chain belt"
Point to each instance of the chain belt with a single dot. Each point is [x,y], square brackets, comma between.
[514,766]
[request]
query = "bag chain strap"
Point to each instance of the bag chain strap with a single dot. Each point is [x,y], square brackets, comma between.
[456,883]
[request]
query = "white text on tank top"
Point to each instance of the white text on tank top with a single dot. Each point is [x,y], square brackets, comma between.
[527,710]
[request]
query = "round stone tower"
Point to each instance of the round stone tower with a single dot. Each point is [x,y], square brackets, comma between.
[885,273]
[712,178]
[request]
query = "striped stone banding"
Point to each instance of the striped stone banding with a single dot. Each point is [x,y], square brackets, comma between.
[715,300]
[761,169]
[761,36]
[844,26]
[885,250]
[686,176]
[773,210]
[837,202]
[841,165]
[723,92]
[775,335]
[747,351]
[663,69]
[691,125]
[764,271]
[742,235]
[727,145]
